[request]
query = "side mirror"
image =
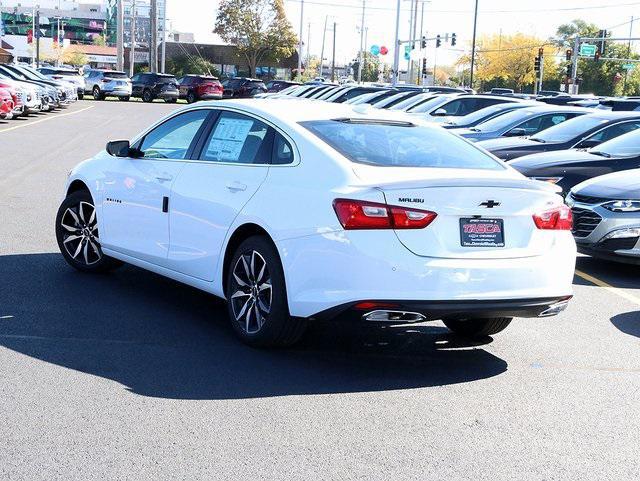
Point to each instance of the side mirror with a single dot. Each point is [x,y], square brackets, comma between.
[517,132]
[587,144]
[118,148]
[439,113]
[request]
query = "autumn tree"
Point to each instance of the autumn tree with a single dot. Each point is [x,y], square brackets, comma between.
[508,60]
[259,29]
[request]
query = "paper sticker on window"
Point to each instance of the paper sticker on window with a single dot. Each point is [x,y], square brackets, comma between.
[228,138]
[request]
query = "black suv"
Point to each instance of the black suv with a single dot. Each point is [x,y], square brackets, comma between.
[151,86]
[242,87]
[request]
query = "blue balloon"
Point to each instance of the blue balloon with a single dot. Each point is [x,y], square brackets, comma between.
[375,50]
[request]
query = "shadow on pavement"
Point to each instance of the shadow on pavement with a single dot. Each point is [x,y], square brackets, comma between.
[628,322]
[162,339]
[617,274]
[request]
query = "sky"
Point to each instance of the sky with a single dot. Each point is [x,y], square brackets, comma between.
[534,17]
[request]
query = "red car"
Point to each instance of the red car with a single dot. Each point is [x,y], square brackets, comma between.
[6,104]
[199,87]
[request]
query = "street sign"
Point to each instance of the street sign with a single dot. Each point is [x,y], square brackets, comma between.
[407,52]
[588,50]
[629,66]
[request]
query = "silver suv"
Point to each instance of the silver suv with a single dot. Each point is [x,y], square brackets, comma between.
[107,83]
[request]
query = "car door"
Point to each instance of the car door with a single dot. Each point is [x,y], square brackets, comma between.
[137,190]
[210,193]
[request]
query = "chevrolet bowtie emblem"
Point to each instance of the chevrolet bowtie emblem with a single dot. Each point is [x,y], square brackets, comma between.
[489,204]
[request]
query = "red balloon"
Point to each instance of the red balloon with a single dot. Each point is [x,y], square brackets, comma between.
[384,50]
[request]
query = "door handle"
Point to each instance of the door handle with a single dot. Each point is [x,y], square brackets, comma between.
[236,186]
[164,178]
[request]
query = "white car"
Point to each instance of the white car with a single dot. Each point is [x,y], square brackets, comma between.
[297,210]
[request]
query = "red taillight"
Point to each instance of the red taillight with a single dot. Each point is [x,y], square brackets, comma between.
[357,214]
[366,305]
[559,218]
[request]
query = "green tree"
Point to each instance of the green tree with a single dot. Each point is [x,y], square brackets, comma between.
[184,65]
[599,77]
[259,29]
[370,67]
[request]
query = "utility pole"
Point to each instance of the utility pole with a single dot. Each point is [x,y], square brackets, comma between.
[333,55]
[37,35]
[308,42]
[324,34]
[473,43]
[413,35]
[364,57]
[626,72]
[119,36]
[153,41]
[33,35]
[163,49]
[132,46]
[300,38]
[574,65]
[409,61]
[396,45]
[361,53]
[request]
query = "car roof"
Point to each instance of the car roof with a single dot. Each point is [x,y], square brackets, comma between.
[614,115]
[555,108]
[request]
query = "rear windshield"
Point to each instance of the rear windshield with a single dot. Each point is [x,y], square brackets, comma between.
[166,79]
[57,71]
[570,129]
[400,144]
[116,75]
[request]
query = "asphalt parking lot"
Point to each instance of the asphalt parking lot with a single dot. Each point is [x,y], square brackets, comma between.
[133,376]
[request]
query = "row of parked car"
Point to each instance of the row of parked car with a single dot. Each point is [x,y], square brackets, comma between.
[25,90]
[592,154]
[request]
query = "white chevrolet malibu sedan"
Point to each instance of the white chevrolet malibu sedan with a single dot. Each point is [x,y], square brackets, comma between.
[297,211]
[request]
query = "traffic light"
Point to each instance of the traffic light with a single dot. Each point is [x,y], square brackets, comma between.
[540,52]
[602,44]
[536,64]
[423,42]
[569,70]
[424,66]
[453,40]
[569,53]
[596,57]
[438,41]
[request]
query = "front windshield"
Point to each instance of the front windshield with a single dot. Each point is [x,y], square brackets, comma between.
[479,115]
[411,101]
[364,98]
[33,74]
[569,130]
[503,121]
[627,145]
[400,144]
[393,100]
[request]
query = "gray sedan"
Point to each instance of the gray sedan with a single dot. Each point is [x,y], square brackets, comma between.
[521,122]
[606,216]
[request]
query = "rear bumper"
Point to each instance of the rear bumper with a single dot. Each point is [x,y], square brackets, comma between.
[117,93]
[432,310]
[210,97]
[167,95]
[626,256]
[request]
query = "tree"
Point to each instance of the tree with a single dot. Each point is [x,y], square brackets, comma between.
[508,60]
[599,77]
[75,58]
[370,67]
[183,65]
[259,29]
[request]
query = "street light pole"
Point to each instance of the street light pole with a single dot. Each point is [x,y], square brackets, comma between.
[300,38]
[132,46]
[333,55]
[396,45]
[473,43]
[324,34]
[360,53]
[119,36]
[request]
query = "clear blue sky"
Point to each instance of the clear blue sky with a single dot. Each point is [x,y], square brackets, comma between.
[536,17]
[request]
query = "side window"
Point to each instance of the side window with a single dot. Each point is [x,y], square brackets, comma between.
[282,151]
[172,139]
[135,78]
[452,108]
[541,122]
[238,139]
[614,131]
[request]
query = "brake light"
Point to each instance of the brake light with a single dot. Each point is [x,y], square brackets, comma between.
[357,214]
[559,218]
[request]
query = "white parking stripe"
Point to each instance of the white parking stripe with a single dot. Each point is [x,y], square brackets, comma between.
[44,120]
[614,290]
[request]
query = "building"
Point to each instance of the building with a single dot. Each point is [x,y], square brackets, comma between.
[98,56]
[143,21]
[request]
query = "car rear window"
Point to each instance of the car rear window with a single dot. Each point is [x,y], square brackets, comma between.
[116,75]
[400,144]
[166,79]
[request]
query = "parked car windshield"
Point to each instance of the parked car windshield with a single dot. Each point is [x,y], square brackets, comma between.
[568,130]
[413,101]
[627,145]
[501,121]
[494,111]
[428,105]
[400,144]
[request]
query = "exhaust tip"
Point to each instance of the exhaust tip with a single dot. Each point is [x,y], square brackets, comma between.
[554,309]
[393,316]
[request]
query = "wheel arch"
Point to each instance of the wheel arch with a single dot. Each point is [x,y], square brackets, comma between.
[241,233]
[76,186]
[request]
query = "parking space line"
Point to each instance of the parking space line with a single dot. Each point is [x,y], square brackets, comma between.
[48,118]
[614,290]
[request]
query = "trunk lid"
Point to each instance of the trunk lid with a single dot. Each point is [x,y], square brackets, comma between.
[504,200]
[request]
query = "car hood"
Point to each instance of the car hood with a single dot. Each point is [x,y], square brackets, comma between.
[618,185]
[548,159]
[504,143]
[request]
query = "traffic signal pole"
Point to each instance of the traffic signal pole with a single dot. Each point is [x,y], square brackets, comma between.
[397,45]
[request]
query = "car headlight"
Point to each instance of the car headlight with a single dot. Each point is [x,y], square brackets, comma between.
[623,233]
[551,180]
[623,206]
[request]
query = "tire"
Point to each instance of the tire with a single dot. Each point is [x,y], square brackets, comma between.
[97,95]
[171,101]
[259,314]
[80,96]
[147,96]
[191,98]
[477,327]
[124,99]
[76,218]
